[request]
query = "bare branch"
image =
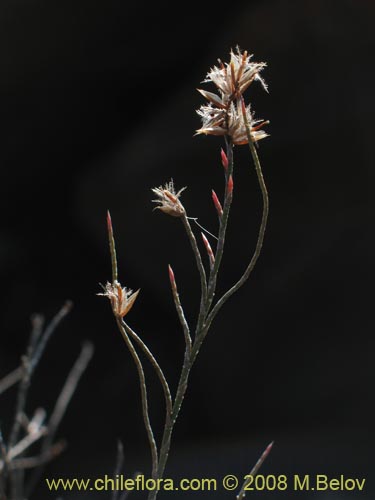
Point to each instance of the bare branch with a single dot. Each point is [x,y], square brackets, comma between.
[37,461]
[9,380]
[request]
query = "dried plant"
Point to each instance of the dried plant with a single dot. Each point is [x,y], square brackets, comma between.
[227,115]
[27,433]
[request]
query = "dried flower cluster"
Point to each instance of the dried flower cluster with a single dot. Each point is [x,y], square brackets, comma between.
[168,200]
[223,114]
[122,299]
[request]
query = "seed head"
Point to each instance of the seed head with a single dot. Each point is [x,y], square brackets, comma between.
[231,123]
[168,200]
[122,299]
[222,115]
[233,78]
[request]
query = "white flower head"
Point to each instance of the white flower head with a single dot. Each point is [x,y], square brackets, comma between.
[233,78]
[122,299]
[237,126]
[168,199]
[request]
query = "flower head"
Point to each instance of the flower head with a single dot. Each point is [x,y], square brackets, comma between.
[222,115]
[168,200]
[122,299]
[231,124]
[233,78]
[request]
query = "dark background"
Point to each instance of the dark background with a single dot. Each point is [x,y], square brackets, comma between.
[98,106]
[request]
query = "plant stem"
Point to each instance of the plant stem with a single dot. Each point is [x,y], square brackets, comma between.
[142,383]
[181,316]
[222,230]
[198,258]
[261,233]
[156,366]
[168,430]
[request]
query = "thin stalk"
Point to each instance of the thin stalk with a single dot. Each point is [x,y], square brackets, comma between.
[261,233]
[156,366]
[168,430]
[222,230]
[198,258]
[142,383]
[125,332]
[180,311]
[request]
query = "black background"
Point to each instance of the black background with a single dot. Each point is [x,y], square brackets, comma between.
[98,106]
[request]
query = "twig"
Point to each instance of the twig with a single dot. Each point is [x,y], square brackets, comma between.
[31,360]
[56,320]
[11,379]
[67,392]
[60,407]
[25,443]
[37,461]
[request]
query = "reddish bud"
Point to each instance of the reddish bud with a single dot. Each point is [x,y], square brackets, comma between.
[210,253]
[171,277]
[230,186]
[224,159]
[261,459]
[268,449]
[217,204]
[109,223]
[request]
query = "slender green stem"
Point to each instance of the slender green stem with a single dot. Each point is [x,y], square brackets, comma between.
[168,430]
[181,316]
[142,383]
[261,233]
[222,230]
[125,331]
[156,366]
[198,259]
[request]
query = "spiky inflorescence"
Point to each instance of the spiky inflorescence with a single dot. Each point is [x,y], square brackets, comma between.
[122,298]
[168,199]
[222,115]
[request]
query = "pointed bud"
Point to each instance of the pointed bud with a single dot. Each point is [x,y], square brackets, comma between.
[217,204]
[261,459]
[210,253]
[269,448]
[171,277]
[109,223]
[230,186]
[224,159]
